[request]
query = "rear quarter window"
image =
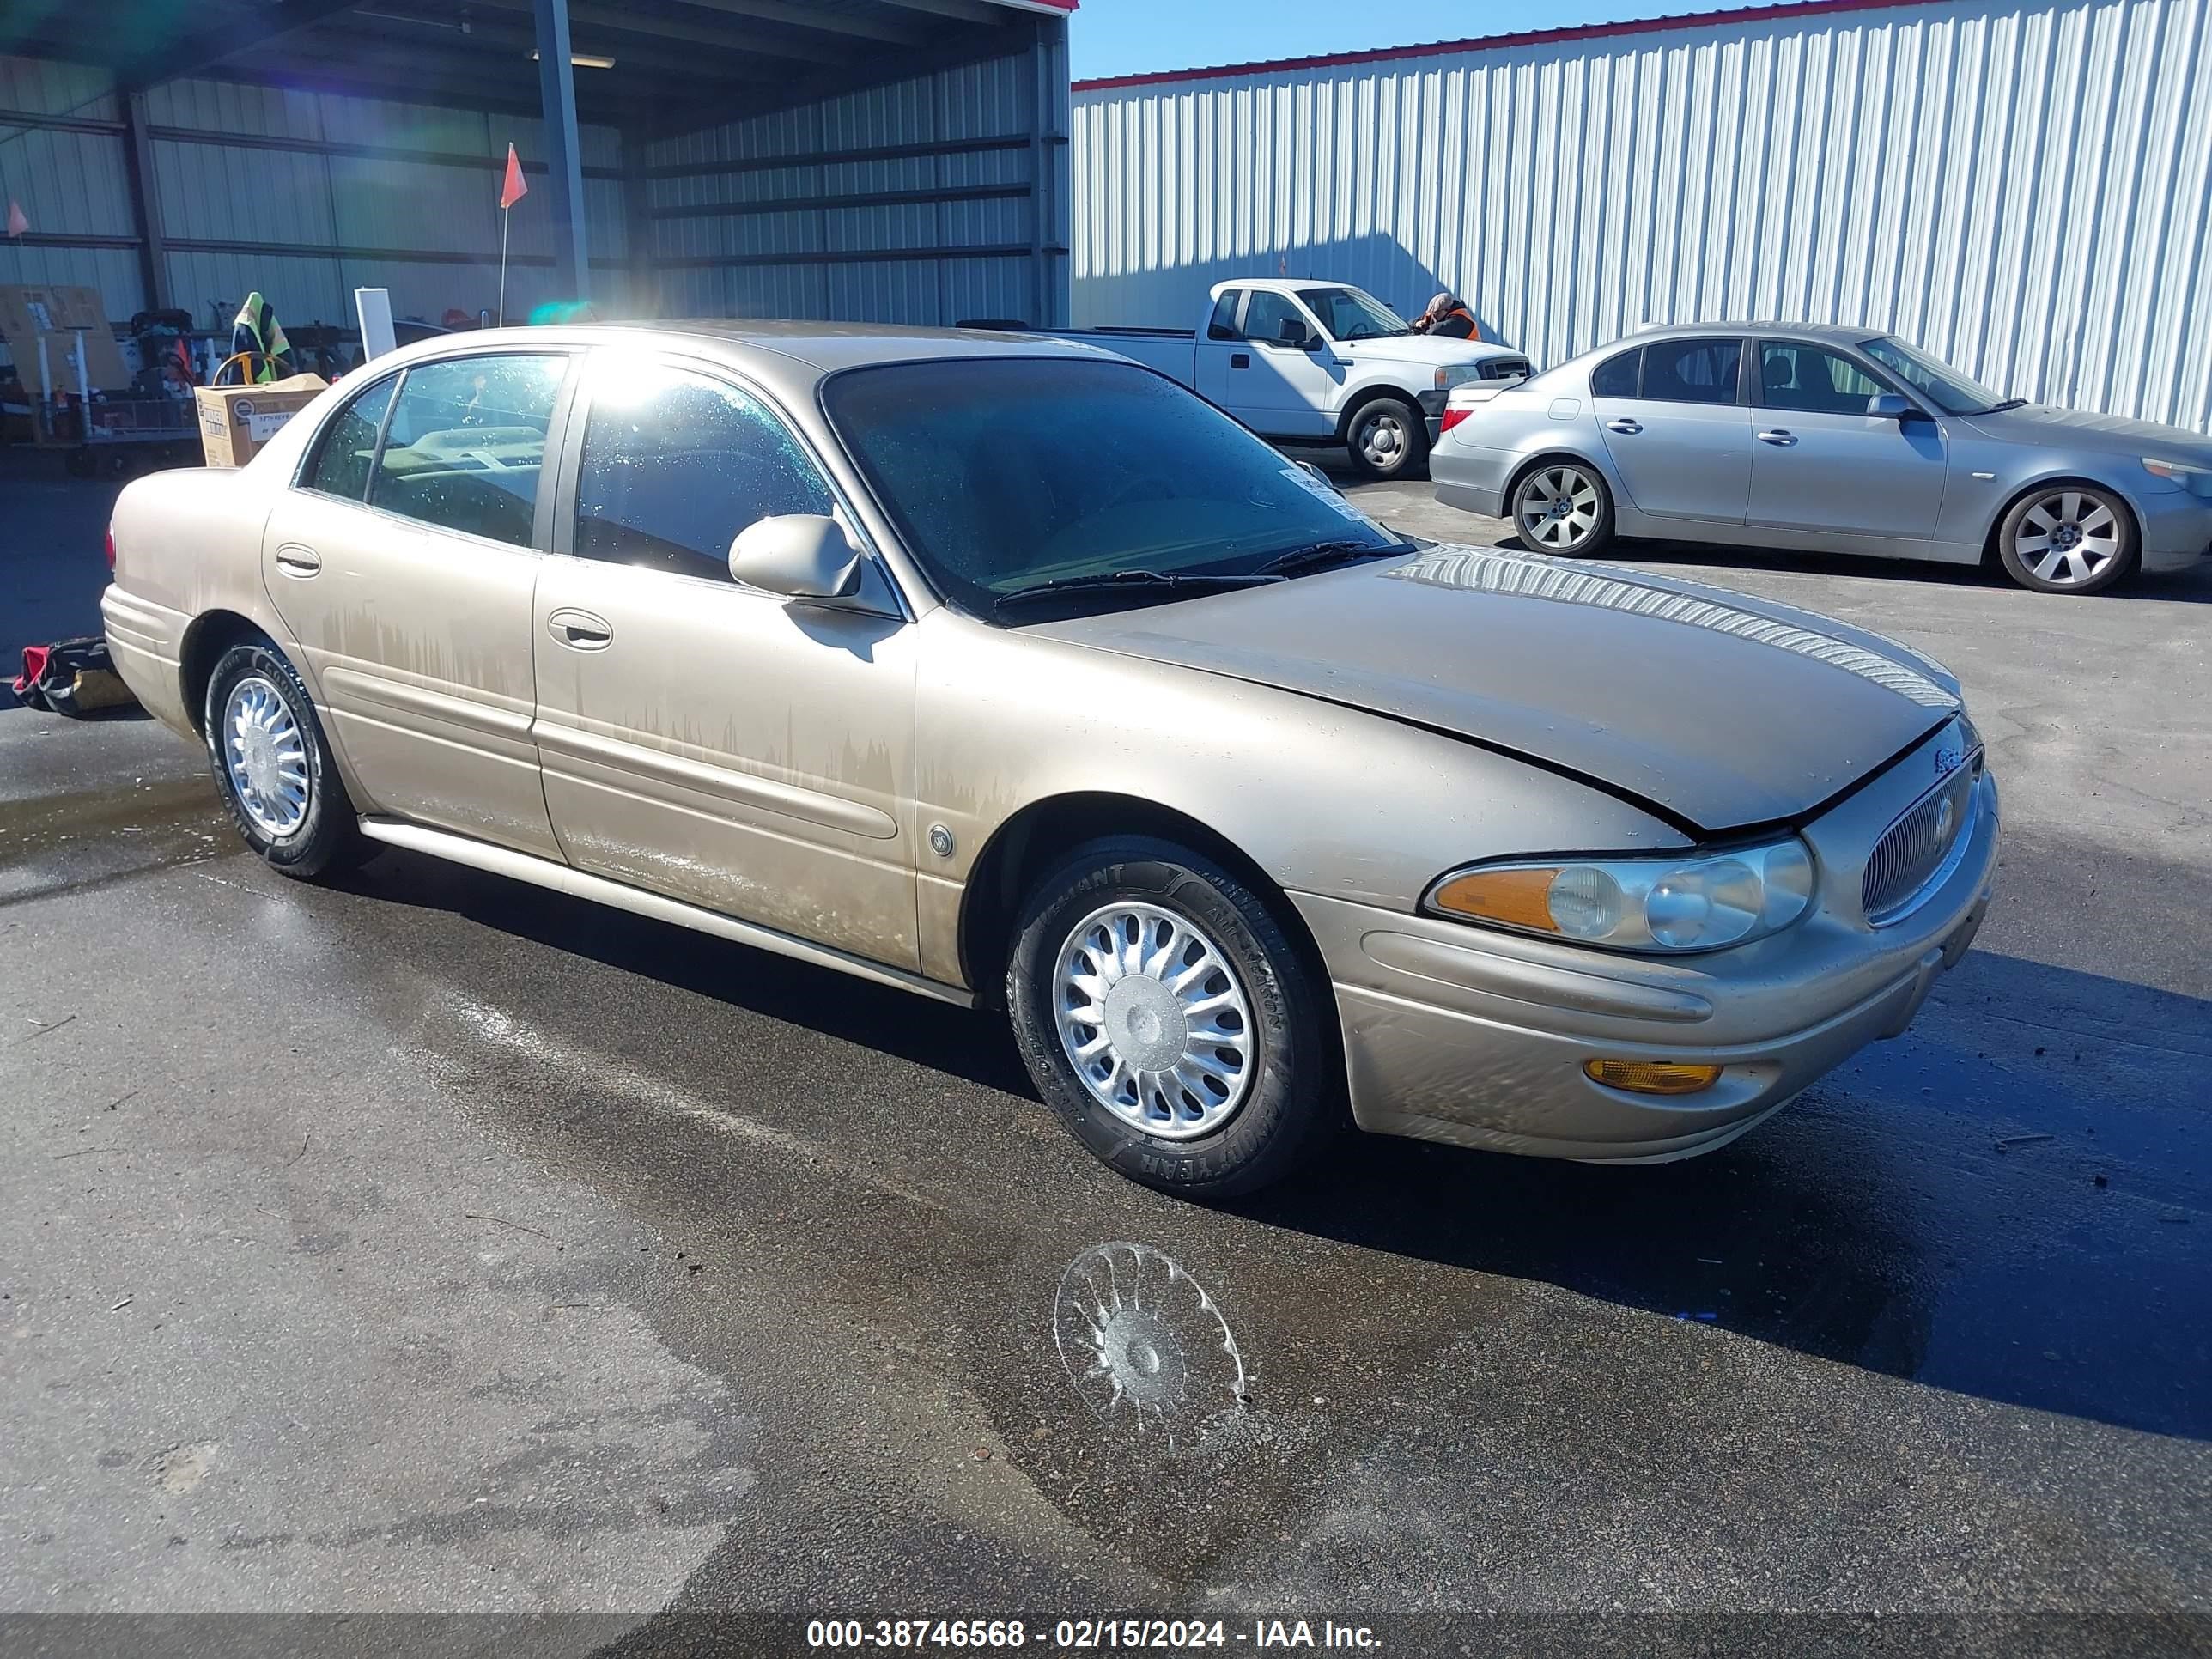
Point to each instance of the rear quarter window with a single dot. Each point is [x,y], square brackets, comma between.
[1616,376]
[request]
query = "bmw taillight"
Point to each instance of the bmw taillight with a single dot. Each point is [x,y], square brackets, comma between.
[1452,418]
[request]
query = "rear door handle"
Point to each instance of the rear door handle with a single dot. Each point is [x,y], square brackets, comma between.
[1779,436]
[1624,425]
[579,630]
[296,561]
[1240,360]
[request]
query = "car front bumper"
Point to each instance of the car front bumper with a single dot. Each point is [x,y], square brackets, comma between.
[1478,1037]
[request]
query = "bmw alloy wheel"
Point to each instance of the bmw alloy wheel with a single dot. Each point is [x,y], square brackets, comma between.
[1153,1020]
[2068,537]
[1560,507]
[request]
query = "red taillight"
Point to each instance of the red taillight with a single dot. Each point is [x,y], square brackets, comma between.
[110,547]
[1452,418]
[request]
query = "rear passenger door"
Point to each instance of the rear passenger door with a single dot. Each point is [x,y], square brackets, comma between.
[718,744]
[404,562]
[1681,440]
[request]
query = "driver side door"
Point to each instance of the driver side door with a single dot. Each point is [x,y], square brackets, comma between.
[702,740]
[1281,390]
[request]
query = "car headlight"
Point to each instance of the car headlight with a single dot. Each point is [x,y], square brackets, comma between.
[2184,473]
[1448,377]
[1667,904]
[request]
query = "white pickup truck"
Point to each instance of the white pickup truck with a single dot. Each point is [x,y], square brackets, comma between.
[1317,362]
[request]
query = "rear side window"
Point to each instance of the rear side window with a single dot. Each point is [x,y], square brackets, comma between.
[1692,371]
[349,445]
[1224,324]
[466,443]
[676,463]
[1616,376]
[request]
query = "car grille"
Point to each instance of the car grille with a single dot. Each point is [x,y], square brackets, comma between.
[1505,368]
[1914,849]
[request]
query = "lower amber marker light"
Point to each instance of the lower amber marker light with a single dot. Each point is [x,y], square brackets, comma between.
[1651,1077]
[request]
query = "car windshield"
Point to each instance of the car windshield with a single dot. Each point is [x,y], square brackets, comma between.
[1007,473]
[1349,313]
[1941,384]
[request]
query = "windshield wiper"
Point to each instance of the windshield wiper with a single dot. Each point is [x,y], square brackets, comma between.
[1193,580]
[2010,403]
[1320,555]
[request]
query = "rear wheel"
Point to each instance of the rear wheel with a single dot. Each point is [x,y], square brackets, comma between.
[1563,507]
[1388,438]
[272,765]
[1163,1012]
[2067,539]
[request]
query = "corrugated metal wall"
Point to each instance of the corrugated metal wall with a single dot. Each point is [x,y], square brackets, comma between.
[2026,190]
[341,185]
[928,201]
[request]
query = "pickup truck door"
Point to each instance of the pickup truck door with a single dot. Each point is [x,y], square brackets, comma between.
[1278,390]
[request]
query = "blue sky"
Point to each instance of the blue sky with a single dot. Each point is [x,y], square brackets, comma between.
[1130,37]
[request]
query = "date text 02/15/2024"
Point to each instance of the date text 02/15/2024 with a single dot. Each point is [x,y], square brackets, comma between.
[1087,1634]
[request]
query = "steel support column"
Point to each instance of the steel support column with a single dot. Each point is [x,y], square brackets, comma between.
[637,219]
[145,201]
[556,91]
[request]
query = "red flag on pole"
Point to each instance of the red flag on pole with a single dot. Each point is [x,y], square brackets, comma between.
[512,190]
[18,222]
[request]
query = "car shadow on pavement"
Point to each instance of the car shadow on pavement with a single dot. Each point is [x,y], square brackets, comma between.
[2010,1201]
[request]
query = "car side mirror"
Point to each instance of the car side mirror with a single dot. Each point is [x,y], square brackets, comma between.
[801,556]
[1888,406]
[1292,332]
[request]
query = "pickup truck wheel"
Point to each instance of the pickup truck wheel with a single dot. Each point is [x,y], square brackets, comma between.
[1388,438]
[273,767]
[1163,1011]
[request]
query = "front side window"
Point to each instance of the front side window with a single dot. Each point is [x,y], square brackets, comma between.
[1350,314]
[1223,324]
[466,443]
[1265,317]
[1616,376]
[1941,384]
[1817,382]
[677,463]
[1007,473]
[349,445]
[1692,371]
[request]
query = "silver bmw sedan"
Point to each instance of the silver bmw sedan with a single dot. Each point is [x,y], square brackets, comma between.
[1831,440]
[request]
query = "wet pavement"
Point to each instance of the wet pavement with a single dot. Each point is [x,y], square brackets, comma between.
[426,1242]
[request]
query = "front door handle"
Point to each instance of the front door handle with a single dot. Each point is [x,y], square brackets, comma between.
[1776,435]
[1623,424]
[299,561]
[1240,360]
[579,630]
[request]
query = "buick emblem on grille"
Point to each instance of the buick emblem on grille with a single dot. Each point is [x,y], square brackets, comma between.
[1945,815]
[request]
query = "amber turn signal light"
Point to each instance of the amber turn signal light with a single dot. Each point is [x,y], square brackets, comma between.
[1651,1077]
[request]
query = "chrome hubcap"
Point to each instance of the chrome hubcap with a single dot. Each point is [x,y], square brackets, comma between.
[2067,538]
[1153,1020]
[1559,509]
[266,758]
[1382,440]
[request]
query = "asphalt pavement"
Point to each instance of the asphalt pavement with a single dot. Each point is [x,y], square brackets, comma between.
[427,1243]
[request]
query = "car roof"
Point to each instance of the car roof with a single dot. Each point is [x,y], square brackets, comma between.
[1833,332]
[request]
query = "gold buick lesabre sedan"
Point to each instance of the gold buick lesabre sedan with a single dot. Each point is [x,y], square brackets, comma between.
[1002,669]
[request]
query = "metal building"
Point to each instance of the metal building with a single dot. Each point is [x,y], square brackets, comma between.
[866,160]
[2025,189]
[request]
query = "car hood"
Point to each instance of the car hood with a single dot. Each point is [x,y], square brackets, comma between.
[1433,350]
[2046,423]
[1719,711]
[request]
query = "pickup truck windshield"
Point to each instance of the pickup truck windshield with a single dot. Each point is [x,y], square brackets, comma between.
[1006,473]
[1351,313]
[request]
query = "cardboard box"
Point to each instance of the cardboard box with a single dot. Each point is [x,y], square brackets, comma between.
[56,311]
[235,421]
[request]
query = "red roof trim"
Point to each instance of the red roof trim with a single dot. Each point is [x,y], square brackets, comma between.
[1499,42]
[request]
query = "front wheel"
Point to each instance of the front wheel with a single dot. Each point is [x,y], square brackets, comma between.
[2068,538]
[272,765]
[1388,438]
[1563,507]
[1163,1012]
